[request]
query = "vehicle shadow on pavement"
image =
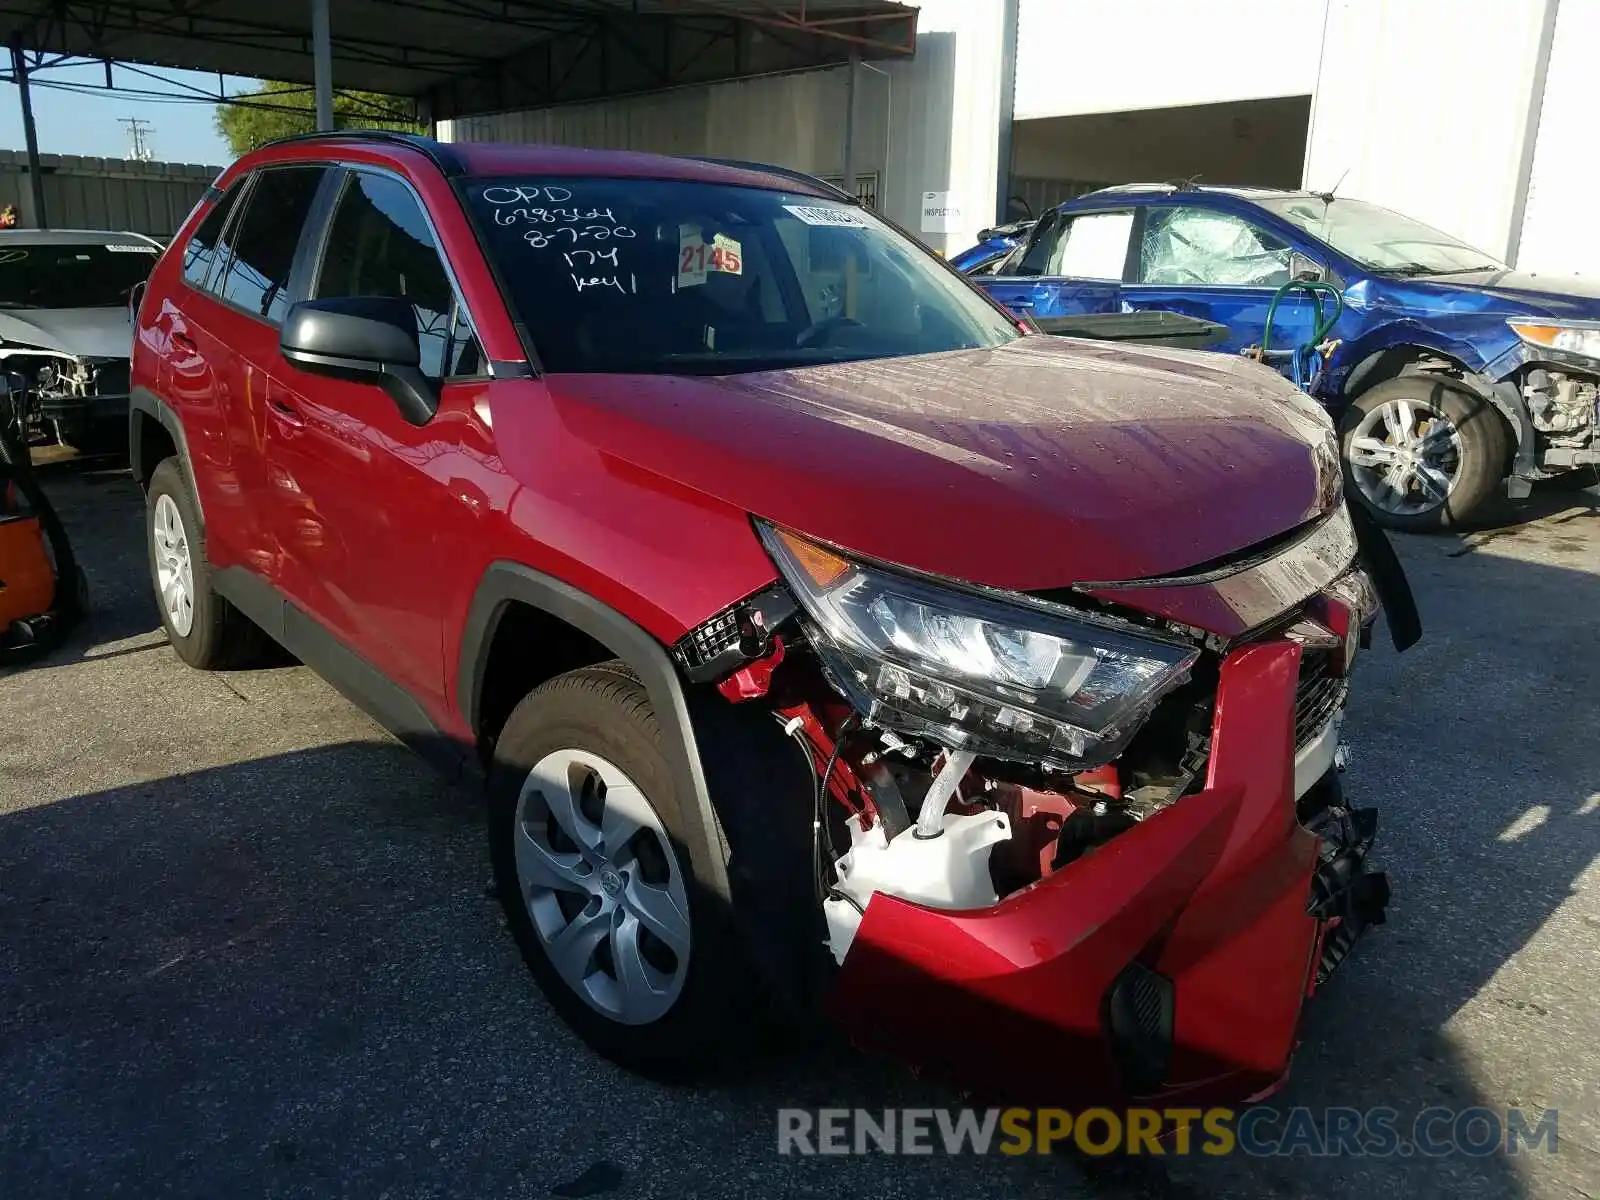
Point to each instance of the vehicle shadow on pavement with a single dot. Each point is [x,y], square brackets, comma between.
[286,975]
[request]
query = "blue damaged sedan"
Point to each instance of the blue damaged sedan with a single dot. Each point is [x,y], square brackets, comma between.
[1452,377]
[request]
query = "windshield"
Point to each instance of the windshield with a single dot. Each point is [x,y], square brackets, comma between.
[69,275]
[663,277]
[1378,238]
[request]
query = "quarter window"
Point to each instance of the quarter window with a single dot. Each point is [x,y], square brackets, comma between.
[265,240]
[204,246]
[1194,246]
[380,245]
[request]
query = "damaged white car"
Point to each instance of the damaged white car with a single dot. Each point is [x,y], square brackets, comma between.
[65,332]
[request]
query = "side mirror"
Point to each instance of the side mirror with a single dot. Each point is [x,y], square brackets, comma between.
[367,338]
[1304,269]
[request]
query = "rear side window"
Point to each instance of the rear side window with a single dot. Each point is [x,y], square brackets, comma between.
[265,239]
[204,247]
[380,245]
[1092,246]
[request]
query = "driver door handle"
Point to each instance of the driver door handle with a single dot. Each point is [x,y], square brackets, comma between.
[286,413]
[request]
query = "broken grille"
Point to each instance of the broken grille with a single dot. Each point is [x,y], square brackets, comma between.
[1318,695]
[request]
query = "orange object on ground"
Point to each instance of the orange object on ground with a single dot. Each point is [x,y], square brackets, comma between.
[27,578]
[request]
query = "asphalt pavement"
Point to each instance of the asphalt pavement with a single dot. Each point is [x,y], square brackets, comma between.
[247,948]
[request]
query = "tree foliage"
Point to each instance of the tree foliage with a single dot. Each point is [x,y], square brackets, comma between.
[283,109]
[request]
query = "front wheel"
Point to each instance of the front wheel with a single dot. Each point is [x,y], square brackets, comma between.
[1422,454]
[587,841]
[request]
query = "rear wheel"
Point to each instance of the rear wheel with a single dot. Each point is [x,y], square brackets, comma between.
[586,837]
[1422,454]
[206,631]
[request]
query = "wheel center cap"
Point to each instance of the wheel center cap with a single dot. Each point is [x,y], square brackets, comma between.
[611,882]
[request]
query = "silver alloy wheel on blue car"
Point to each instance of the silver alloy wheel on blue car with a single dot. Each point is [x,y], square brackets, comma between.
[1405,457]
[603,886]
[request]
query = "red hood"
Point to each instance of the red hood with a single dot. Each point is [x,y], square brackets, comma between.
[1042,463]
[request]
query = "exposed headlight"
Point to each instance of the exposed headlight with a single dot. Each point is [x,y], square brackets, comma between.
[997,674]
[1569,337]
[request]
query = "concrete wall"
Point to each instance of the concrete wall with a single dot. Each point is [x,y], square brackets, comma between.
[1260,142]
[1090,56]
[1423,106]
[931,125]
[105,193]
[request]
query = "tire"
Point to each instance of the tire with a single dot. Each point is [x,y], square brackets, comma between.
[216,635]
[1456,434]
[697,1010]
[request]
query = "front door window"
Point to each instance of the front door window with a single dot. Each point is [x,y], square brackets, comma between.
[1195,247]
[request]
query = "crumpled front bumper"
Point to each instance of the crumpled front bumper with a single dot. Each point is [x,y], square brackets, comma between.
[1171,963]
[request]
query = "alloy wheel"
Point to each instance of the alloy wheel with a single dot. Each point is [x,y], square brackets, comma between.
[1405,457]
[174,570]
[602,885]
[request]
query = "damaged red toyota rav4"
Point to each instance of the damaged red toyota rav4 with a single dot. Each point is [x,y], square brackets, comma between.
[828,639]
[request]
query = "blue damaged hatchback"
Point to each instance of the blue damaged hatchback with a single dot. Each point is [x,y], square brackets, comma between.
[1450,374]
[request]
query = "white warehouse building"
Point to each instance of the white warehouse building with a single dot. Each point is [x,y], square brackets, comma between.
[1466,114]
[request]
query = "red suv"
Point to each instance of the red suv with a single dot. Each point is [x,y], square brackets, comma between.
[829,640]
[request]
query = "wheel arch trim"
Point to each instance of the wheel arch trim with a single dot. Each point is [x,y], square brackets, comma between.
[505,583]
[142,402]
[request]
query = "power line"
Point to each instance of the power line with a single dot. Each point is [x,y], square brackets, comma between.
[239,100]
[192,94]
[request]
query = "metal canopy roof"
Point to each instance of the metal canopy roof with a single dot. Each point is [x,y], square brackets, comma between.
[474,56]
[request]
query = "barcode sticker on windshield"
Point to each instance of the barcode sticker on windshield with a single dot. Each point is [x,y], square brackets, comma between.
[127,248]
[813,214]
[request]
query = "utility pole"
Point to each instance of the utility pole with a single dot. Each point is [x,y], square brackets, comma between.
[138,138]
[30,135]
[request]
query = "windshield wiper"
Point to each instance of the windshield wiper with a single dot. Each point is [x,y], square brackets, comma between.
[1411,269]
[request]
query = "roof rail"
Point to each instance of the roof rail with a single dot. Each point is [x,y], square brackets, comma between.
[1143,187]
[439,153]
[781,172]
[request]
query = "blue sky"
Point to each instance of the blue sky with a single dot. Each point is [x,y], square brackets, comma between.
[85,123]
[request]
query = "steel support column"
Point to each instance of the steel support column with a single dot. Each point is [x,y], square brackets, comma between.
[30,135]
[322,62]
[850,123]
[1008,103]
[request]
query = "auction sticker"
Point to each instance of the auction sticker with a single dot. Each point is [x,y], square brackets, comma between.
[696,259]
